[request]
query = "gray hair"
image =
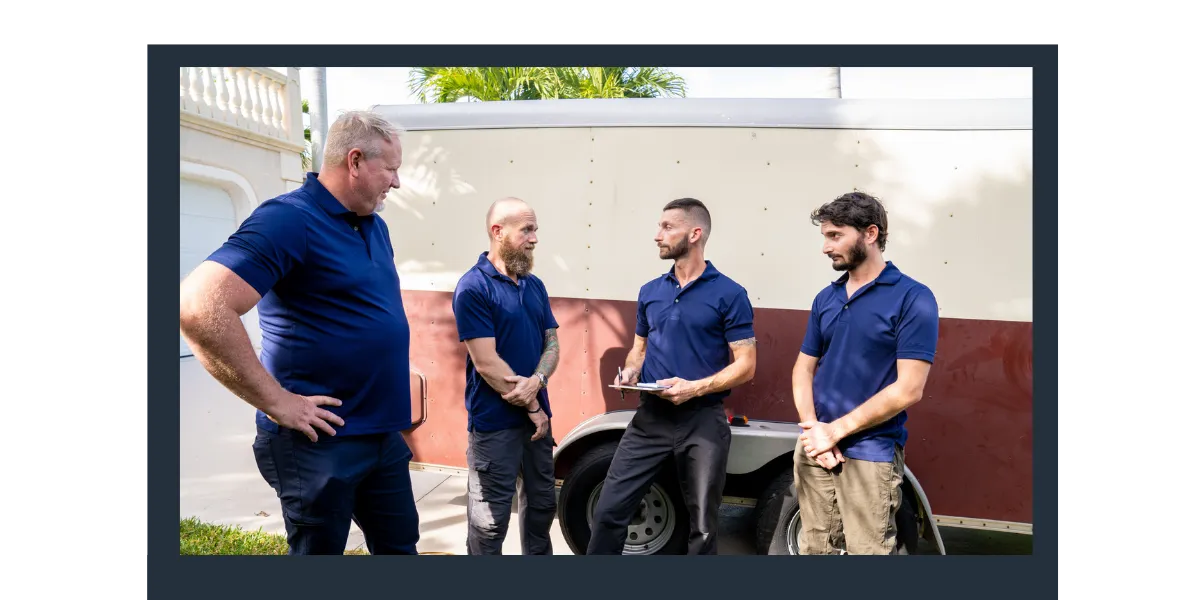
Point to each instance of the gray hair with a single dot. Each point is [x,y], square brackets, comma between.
[362,129]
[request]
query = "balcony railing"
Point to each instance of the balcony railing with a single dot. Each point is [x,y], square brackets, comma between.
[257,100]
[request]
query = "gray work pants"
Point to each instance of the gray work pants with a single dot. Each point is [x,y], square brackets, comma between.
[501,463]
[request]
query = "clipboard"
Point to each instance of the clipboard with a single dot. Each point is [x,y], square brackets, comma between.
[642,387]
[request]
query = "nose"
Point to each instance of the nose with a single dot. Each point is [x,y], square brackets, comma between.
[395,183]
[533,238]
[658,237]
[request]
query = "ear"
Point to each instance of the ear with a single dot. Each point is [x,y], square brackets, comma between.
[496,230]
[871,235]
[696,235]
[354,160]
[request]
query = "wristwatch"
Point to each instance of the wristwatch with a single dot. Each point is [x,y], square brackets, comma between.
[541,378]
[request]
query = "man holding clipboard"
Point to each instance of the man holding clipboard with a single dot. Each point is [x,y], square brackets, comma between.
[695,339]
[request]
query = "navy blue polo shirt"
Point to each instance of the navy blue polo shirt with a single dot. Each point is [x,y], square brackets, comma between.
[688,329]
[857,341]
[332,320]
[516,313]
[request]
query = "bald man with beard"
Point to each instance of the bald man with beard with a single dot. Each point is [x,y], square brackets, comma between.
[503,315]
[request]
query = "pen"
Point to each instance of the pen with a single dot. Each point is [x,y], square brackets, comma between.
[619,382]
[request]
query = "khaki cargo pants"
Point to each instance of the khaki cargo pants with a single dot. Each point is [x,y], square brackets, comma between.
[850,509]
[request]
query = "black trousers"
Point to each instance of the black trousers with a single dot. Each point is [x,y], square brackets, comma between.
[698,438]
[322,486]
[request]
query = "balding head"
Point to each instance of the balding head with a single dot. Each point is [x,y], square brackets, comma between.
[504,210]
[512,231]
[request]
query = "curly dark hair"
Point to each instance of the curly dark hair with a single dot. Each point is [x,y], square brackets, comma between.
[857,210]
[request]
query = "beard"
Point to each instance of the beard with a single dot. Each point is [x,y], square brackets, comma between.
[858,255]
[675,252]
[516,259]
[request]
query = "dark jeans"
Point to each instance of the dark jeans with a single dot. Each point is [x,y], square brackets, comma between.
[501,463]
[698,438]
[323,486]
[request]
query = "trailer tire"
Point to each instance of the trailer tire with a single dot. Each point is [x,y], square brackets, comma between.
[777,507]
[585,478]
[768,510]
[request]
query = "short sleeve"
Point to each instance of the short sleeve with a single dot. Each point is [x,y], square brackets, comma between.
[267,246]
[472,311]
[813,343]
[643,324]
[548,318]
[917,331]
[739,318]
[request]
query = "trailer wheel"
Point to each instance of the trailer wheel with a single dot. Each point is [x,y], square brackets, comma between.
[778,519]
[660,525]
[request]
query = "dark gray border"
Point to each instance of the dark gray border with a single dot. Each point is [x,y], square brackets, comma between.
[805,113]
[173,576]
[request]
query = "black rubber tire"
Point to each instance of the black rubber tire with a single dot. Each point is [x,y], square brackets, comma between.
[769,508]
[587,473]
[777,505]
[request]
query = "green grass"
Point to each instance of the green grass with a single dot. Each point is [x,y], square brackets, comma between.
[197,538]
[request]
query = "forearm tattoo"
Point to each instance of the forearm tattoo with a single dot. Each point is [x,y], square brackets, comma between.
[549,354]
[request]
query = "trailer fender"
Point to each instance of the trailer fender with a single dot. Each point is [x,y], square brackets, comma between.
[930,530]
[752,446]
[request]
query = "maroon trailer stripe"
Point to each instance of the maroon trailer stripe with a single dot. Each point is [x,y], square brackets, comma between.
[970,438]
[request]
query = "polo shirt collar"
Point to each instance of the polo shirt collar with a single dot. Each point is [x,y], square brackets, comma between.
[489,269]
[323,198]
[710,273]
[889,276]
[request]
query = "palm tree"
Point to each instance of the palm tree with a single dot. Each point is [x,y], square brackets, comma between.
[306,156]
[487,84]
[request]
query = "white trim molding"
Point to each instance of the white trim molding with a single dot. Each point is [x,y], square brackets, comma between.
[238,187]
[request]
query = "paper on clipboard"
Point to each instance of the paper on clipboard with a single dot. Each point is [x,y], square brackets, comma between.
[642,387]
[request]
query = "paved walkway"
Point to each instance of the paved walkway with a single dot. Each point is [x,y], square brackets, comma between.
[220,483]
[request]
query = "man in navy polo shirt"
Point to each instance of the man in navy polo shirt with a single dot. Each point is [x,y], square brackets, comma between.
[870,342]
[332,387]
[695,334]
[503,314]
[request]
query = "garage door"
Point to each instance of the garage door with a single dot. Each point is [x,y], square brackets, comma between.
[206,219]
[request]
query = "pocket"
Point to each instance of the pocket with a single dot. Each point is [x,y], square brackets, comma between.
[266,463]
[723,427]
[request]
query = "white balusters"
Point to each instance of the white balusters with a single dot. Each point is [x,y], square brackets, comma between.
[256,103]
[243,85]
[235,99]
[222,95]
[268,109]
[206,76]
[276,110]
[194,87]
[248,98]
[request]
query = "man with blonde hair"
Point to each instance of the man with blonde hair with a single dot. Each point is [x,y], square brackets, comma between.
[331,387]
[502,312]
